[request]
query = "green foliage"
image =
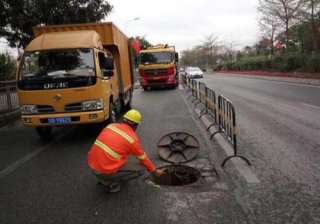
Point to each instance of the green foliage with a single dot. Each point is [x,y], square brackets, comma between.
[144,42]
[18,17]
[7,67]
[279,62]
[313,64]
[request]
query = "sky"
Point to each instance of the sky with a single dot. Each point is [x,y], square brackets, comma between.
[184,23]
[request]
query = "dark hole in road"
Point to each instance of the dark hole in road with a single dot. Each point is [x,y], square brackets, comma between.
[177,175]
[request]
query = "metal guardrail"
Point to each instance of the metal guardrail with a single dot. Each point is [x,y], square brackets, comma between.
[223,113]
[227,125]
[201,94]
[184,80]
[194,89]
[8,96]
[211,107]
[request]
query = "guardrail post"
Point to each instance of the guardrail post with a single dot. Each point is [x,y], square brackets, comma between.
[8,94]
[202,95]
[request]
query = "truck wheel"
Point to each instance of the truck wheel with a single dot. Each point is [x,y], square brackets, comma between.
[112,113]
[44,132]
[128,105]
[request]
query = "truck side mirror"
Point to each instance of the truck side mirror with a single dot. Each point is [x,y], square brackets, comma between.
[108,67]
[109,63]
[108,73]
[176,56]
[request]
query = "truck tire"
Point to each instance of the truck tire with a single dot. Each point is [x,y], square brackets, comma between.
[44,132]
[112,113]
[127,106]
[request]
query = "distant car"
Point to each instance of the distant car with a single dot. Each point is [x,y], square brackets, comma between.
[194,72]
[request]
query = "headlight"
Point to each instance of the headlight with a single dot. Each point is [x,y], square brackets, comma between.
[28,109]
[92,105]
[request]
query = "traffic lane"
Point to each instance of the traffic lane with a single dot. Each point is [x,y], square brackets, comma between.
[294,113]
[57,186]
[294,92]
[17,141]
[291,127]
[285,135]
[281,139]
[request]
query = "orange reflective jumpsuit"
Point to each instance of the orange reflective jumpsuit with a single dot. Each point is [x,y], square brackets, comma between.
[112,147]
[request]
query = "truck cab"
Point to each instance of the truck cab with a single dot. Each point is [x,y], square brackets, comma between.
[158,67]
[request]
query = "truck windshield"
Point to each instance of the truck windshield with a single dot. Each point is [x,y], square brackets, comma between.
[57,64]
[157,58]
[57,69]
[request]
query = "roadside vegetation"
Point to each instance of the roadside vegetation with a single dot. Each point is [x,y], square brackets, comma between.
[289,41]
[7,66]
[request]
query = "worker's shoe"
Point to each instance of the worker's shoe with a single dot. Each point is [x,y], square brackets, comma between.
[111,187]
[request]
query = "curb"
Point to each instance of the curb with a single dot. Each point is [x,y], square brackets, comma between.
[245,170]
[315,82]
[9,118]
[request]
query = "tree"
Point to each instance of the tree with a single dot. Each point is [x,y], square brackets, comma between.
[144,42]
[229,49]
[285,10]
[269,25]
[7,66]
[209,46]
[262,46]
[18,17]
[189,57]
[312,8]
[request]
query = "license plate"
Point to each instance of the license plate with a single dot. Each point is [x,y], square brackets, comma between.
[156,78]
[59,120]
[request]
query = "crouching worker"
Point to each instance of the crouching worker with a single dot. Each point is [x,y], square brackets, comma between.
[108,156]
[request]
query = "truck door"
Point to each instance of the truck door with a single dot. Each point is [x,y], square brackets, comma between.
[113,80]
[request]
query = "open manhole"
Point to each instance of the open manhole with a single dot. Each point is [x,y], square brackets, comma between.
[178,147]
[177,175]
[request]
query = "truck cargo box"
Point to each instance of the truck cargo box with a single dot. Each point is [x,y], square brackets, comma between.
[112,38]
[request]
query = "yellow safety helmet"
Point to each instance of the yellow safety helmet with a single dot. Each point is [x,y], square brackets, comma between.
[134,116]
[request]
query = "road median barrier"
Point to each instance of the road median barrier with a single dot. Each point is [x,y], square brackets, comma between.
[201,94]
[210,105]
[223,113]
[193,90]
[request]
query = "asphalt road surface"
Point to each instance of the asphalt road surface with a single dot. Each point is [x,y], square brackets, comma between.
[50,182]
[279,131]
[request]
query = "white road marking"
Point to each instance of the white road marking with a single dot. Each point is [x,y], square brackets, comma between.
[310,105]
[29,156]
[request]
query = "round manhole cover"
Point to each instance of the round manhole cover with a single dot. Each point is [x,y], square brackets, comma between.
[178,147]
[177,175]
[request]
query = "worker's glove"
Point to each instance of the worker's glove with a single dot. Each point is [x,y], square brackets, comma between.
[160,172]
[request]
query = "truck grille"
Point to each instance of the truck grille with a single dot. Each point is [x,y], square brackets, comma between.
[157,81]
[156,71]
[73,107]
[44,109]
